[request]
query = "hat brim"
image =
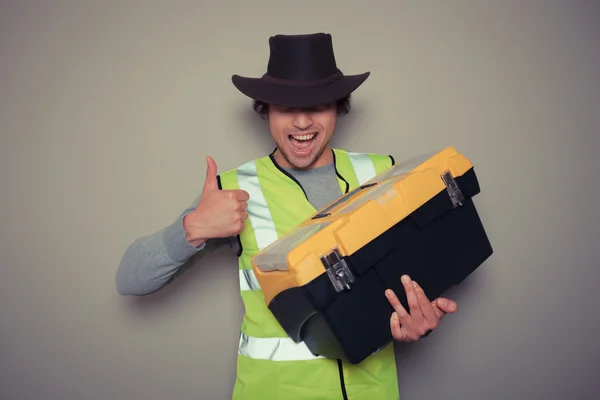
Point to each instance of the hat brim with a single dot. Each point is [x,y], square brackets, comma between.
[298,96]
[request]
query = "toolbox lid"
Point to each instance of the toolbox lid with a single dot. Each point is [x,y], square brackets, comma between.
[404,167]
[276,256]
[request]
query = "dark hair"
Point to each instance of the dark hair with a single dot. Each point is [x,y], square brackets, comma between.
[343,106]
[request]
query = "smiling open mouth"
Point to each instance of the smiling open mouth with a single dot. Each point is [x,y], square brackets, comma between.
[303,143]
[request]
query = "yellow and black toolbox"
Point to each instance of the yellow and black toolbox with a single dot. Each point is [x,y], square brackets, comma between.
[325,280]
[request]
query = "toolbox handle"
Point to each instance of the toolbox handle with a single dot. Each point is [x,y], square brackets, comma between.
[325,213]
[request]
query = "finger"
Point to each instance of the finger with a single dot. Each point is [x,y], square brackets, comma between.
[393,299]
[403,316]
[413,303]
[397,332]
[446,305]
[425,304]
[236,205]
[237,195]
[241,195]
[210,184]
[244,216]
[440,314]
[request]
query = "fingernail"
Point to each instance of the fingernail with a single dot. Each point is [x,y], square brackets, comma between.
[394,315]
[405,279]
[388,293]
[442,302]
[415,284]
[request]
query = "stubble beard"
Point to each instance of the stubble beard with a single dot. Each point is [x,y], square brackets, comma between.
[305,163]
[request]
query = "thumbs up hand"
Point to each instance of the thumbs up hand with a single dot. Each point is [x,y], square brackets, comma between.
[219,213]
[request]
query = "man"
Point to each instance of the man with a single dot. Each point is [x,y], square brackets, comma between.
[300,96]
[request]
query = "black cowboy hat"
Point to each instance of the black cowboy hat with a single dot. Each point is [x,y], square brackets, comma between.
[301,72]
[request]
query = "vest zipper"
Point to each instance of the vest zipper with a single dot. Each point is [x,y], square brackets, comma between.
[342,384]
[338,173]
[238,238]
[271,156]
[286,173]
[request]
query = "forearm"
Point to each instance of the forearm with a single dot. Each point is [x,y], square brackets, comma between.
[151,261]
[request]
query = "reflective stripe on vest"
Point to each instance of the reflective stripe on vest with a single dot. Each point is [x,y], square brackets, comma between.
[264,227]
[274,349]
[363,166]
[248,280]
[277,348]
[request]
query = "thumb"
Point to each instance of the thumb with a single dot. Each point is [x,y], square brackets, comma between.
[211,175]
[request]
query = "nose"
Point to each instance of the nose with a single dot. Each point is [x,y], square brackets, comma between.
[302,120]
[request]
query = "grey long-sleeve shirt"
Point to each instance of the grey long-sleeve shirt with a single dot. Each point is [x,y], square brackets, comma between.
[150,262]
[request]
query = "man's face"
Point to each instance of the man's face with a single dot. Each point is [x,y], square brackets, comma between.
[302,135]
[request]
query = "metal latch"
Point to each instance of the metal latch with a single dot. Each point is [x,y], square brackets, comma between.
[338,271]
[456,195]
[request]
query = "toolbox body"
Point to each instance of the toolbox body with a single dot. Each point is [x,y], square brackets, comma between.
[325,280]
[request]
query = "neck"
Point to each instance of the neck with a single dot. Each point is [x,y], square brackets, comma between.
[325,158]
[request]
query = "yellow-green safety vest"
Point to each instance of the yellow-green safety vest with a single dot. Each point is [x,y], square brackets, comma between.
[270,365]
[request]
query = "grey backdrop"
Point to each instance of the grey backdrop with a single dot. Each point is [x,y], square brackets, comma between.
[108,109]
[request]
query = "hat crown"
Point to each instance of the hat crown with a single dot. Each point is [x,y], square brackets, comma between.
[308,57]
[301,72]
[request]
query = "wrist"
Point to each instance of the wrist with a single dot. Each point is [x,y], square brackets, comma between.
[192,233]
[197,242]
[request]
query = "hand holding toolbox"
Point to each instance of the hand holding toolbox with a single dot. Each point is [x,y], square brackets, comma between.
[325,280]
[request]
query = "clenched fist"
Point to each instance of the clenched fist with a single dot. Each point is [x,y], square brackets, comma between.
[219,213]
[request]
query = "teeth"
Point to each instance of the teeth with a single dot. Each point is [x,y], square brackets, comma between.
[304,137]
